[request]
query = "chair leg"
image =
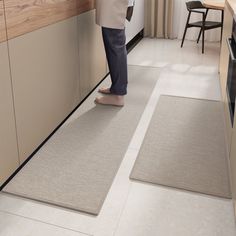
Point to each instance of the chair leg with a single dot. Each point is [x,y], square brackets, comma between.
[199,36]
[203,29]
[185,30]
[203,40]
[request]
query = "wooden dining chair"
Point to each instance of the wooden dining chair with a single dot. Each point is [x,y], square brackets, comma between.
[197,7]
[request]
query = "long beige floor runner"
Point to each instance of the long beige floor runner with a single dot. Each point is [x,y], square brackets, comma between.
[76,167]
[185,147]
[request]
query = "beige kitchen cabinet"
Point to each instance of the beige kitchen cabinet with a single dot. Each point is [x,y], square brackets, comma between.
[9,160]
[224,61]
[52,69]
[233,163]
[92,59]
[224,55]
[44,65]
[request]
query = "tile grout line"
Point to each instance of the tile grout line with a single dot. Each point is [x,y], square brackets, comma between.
[146,117]
[149,66]
[43,222]
[149,107]
[122,211]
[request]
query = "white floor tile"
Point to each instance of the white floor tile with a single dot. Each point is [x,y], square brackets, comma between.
[158,211]
[190,83]
[162,52]
[46,213]
[12,225]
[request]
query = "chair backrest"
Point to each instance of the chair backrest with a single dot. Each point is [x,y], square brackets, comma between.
[194,5]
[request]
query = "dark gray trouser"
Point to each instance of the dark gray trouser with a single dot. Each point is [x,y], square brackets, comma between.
[114,43]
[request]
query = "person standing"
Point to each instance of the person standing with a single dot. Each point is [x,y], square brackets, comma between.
[111,16]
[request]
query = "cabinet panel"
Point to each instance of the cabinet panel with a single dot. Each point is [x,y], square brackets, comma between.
[8,146]
[2,23]
[92,58]
[224,61]
[24,16]
[233,163]
[224,55]
[44,67]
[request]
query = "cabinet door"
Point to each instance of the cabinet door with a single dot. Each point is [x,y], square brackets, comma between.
[224,62]
[233,162]
[44,65]
[3,35]
[224,55]
[8,144]
[92,60]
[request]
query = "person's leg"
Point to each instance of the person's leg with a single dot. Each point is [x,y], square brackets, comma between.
[108,53]
[115,47]
[114,42]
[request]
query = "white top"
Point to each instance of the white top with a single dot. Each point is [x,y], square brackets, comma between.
[131,3]
[111,13]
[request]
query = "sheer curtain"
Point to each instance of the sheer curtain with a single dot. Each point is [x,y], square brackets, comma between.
[180,18]
[159,18]
[167,19]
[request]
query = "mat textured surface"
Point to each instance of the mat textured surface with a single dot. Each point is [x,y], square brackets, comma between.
[185,147]
[76,167]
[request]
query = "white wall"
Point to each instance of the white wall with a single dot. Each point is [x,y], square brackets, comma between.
[137,22]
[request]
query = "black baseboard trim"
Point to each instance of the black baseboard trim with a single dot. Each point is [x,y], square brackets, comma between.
[137,38]
[53,132]
[129,47]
